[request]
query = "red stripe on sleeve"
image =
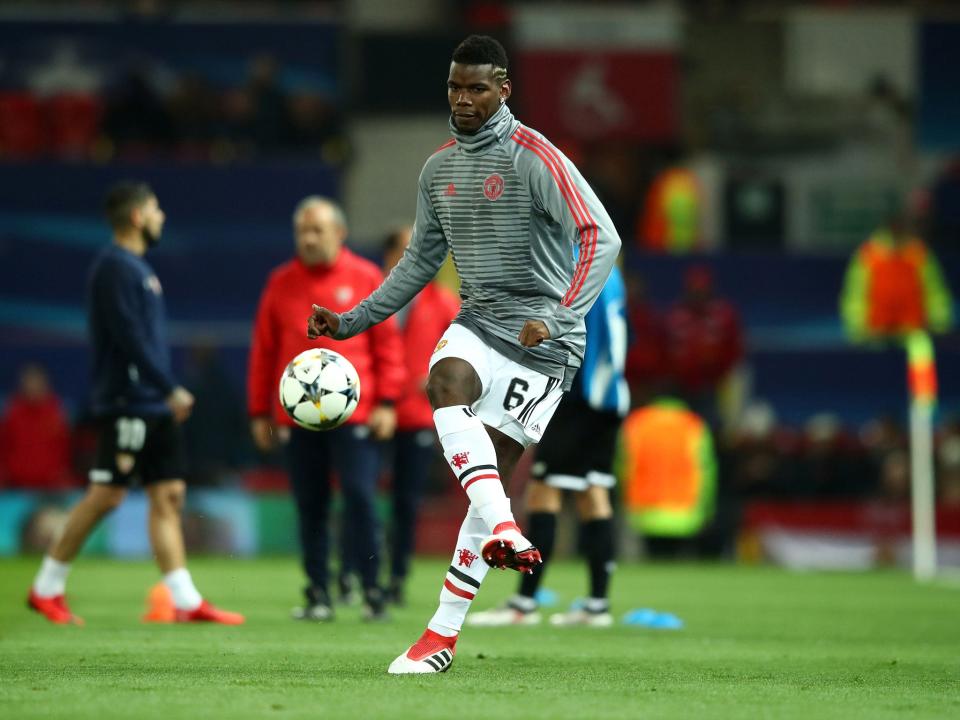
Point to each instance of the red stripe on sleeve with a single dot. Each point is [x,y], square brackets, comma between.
[457,591]
[588,245]
[564,190]
[571,195]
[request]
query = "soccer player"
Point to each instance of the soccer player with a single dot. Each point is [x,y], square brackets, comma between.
[576,454]
[140,407]
[511,208]
[324,268]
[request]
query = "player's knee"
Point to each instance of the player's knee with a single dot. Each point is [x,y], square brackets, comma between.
[168,498]
[452,381]
[109,499]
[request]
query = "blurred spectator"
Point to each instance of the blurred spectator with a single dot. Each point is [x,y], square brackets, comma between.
[895,477]
[215,436]
[136,117]
[611,169]
[948,467]
[832,463]
[893,285]
[645,364]
[944,210]
[671,217]
[63,72]
[35,436]
[193,113]
[703,342]
[269,121]
[887,124]
[233,124]
[882,437]
[761,457]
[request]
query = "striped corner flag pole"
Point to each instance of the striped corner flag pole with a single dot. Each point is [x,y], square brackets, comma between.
[922,381]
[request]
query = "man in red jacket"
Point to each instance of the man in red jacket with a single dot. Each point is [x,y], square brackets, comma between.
[704,342]
[35,436]
[422,323]
[324,267]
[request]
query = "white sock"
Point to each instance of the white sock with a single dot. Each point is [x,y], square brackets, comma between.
[51,579]
[185,594]
[470,453]
[464,576]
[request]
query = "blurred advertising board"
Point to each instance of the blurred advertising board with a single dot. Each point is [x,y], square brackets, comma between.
[597,73]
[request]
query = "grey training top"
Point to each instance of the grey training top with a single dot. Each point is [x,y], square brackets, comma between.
[512,209]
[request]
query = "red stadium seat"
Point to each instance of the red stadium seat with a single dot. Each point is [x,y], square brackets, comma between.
[21,125]
[73,123]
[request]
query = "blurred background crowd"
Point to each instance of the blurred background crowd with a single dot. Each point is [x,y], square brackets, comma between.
[784,176]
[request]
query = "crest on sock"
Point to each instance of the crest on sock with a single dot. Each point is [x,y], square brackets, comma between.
[460,459]
[465,557]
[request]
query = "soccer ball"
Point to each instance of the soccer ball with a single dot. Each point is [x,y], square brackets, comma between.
[319,389]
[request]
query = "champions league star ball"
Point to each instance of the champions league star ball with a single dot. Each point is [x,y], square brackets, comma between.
[319,389]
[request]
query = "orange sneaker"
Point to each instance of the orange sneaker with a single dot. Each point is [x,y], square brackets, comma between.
[209,613]
[160,608]
[54,609]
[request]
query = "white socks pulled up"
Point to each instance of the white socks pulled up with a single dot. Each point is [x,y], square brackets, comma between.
[473,459]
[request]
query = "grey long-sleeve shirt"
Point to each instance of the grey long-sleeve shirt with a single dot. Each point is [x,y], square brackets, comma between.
[512,209]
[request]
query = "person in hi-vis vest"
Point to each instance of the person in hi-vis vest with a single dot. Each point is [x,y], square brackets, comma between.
[667,468]
[894,285]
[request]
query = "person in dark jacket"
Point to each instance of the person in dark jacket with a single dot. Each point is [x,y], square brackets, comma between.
[139,406]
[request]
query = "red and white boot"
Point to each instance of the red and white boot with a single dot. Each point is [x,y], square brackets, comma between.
[432,653]
[508,548]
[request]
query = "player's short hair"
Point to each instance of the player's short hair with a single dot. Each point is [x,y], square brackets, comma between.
[312,201]
[482,50]
[122,199]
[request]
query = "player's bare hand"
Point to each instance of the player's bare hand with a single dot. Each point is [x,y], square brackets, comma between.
[262,430]
[533,333]
[382,422]
[322,322]
[180,401]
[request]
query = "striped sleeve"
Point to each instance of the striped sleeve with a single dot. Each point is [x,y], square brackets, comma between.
[418,266]
[562,192]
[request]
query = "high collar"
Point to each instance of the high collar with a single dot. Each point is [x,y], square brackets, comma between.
[497,129]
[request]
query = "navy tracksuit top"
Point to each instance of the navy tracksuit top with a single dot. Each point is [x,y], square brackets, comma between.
[127,323]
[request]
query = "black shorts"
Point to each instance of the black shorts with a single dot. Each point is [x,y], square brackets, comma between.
[138,449]
[577,449]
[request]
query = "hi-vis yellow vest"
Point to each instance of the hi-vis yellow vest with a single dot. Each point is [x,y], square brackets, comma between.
[667,469]
[893,289]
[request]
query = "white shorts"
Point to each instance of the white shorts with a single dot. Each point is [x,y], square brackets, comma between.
[515,400]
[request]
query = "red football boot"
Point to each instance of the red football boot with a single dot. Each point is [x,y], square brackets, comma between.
[54,609]
[508,548]
[209,613]
[432,653]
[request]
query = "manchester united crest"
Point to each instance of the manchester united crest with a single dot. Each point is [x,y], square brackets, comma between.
[493,187]
[465,557]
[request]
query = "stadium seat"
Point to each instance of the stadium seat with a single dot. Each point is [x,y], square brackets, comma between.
[73,123]
[21,125]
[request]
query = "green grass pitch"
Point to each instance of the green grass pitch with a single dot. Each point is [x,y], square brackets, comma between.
[758,643]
